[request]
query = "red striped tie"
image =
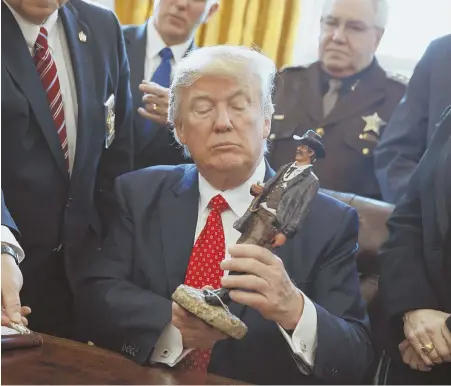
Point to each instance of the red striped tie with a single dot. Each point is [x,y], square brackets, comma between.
[46,68]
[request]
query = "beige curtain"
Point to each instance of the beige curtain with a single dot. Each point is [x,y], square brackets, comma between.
[270,25]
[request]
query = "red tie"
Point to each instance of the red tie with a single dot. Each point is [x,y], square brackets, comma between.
[203,268]
[46,68]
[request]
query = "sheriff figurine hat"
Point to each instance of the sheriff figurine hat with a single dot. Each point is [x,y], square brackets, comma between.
[313,141]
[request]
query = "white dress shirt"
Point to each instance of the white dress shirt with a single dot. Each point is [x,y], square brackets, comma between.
[61,55]
[303,342]
[154,45]
[8,238]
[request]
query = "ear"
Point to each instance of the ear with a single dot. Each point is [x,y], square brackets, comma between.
[266,128]
[213,9]
[179,130]
[379,35]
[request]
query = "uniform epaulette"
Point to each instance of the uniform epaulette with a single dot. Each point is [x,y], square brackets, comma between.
[291,68]
[397,77]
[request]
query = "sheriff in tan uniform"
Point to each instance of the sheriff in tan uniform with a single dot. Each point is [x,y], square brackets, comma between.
[350,131]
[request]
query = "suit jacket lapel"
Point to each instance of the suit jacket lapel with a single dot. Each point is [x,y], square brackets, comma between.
[19,63]
[83,66]
[178,224]
[369,90]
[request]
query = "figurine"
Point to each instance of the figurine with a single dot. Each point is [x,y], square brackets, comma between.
[280,206]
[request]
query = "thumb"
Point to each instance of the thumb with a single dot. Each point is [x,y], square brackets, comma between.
[11,303]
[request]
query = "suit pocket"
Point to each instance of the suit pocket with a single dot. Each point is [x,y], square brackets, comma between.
[363,143]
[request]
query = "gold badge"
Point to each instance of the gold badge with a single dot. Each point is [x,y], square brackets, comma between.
[82,36]
[320,131]
[373,124]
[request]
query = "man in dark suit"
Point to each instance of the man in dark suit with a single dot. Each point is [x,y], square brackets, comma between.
[346,97]
[414,122]
[153,48]
[415,281]
[175,225]
[66,135]
[12,255]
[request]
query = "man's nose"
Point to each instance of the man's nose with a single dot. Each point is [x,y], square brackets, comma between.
[223,122]
[339,34]
[181,4]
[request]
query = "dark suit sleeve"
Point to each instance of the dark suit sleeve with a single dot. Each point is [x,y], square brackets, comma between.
[118,158]
[404,141]
[7,220]
[403,282]
[114,313]
[344,350]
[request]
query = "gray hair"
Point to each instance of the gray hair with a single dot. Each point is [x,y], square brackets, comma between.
[381,7]
[230,61]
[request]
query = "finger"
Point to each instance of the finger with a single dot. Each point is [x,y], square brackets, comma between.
[5,320]
[447,337]
[246,265]
[417,344]
[246,282]
[408,357]
[254,252]
[403,346]
[152,98]
[250,299]
[25,310]
[154,88]
[11,302]
[441,350]
[153,117]
[24,321]
[156,108]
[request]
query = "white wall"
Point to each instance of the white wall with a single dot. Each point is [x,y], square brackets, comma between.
[412,25]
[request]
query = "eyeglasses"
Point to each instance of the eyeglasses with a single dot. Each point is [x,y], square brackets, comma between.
[350,28]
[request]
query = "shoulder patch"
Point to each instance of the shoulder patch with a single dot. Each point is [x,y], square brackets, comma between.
[397,77]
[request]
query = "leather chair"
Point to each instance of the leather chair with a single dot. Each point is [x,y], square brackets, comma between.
[373,216]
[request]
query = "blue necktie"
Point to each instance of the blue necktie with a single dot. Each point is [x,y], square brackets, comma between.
[161,76]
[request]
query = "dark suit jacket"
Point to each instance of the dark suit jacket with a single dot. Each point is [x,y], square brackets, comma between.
[414,122]
[415,258]
[294,204]
[7,220]
[125,297]
[348,166]
[49,208]
[160,147]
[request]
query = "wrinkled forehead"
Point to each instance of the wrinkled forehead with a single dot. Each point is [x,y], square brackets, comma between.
[351,10]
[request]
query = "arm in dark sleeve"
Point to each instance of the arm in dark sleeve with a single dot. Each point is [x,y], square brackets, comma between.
[404,140]
[114,312]
[344,350]
[118,158]
[7,220]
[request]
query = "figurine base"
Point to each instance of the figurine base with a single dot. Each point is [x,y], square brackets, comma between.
[192,300]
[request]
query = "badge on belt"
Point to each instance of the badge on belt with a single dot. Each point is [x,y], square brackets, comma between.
[110,130]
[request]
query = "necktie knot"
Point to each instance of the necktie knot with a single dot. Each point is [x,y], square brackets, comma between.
[166,54]
[41,41]
[334,85]
[218,203]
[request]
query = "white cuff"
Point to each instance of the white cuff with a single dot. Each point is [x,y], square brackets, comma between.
[304,340]
[8,238]
[169,348]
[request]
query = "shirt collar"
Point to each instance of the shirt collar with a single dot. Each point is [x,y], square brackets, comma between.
[30,30]
[238,198]
[155,44]
[300,167]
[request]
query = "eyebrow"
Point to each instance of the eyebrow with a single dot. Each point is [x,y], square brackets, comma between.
[351,21]
[205,97]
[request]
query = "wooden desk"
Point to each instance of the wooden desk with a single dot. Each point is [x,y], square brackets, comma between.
[61,361]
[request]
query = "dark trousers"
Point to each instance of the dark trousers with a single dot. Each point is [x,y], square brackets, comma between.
[260,230]
[400,374]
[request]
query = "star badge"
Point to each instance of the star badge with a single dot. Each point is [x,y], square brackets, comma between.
[374,124]
[82,37]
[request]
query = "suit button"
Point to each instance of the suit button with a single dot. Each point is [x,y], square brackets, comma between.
[272,136]
[365,151]
[320,131]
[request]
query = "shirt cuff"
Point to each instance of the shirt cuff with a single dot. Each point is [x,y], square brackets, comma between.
[169,348]
[8,238]
[304,340]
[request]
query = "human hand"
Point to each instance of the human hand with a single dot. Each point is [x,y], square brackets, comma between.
[427,333]
[195,333]
[12,282]
[279,240]
[256,189]
[156,102]
[24,311]
[411,357]
[272,293]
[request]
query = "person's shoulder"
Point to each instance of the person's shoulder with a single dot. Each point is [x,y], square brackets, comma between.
[154,177]
[441,43]
[332,211]
[130,30]
[287,72]
[397,80]
[92,8]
